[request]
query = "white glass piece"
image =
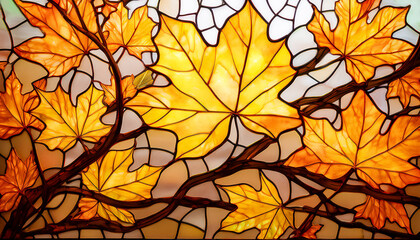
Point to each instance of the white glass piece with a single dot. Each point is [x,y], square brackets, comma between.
[379,98]
[383,71]
[289,142]
[304,12]
[85,66]
[211,35]
[327,59]
[263,9]
[153,14]
[235,4]
[300,40]
[73,153]
[24,32]
[246,137]
[281,182]
[221,15]
[187,18]
[188,7]
[395,106]
[131,121]
[130,65]
[140,157]
[288,12]
[332,19]
[279,28]
[297,89]
[275,5]
[204,19]
[65,81]
[12,14]
[80,84]
[133,5]
[197,218]
[323,74]
[211,3]
[325,113]
[219,156]
[385,126]
[5,42]
[304,57]
[408,34]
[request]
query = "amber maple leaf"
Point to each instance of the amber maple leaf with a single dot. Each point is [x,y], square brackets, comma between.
[65,123]
[19,176]
[364,45]
[15,107]
[257,209]
[379,210]
[377,159]
[62,47]
[127,87]
[405,87]
[241,76]
[110,177]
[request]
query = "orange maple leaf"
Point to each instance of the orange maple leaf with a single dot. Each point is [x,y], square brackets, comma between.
[19,176]
[310,233]
[62,47]
[134,34]
[405,87]
[363,45]
[128,89]
[379,210]
[377,159]
[15,107]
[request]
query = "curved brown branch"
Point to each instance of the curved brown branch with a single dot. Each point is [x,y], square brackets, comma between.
[102,147]
[315,103]
[354,224]
[192,202]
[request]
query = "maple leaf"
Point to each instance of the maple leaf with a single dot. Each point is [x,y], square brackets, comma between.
[405,87]
[134,34]
[19,176]
[241,76]
[15,107]
[363,45]
[379,210]
[110,177]
[377,159]
[310,233]
[65,124]
[261,209]
[127,86]
[62,47]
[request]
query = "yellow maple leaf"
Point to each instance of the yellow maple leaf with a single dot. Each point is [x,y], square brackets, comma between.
[134,34]
[377,159]
[19,176]
[110,177]
[65,124]
[257,209]
[405,87]
[62,47]
[15,107]
[241,76]
[364,45]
